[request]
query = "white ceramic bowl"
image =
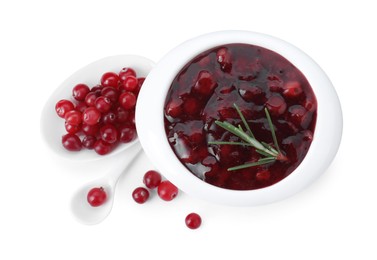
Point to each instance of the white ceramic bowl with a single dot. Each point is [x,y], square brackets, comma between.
[52,126]
[150,121]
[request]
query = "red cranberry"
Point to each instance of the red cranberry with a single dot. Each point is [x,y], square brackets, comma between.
[109,118]
[152,179]
[276,104]
[63,106]
[205,83]
[292,89]
[167,191]
[111,93]
[96,197]
[96,89]
[91,116]
[109,133]
[80,91]
[130,83]
[140,195]
[90,99]
[121,114]
[102,148]
[173,108]
[110,79]
[71,142]
[81,106]
[89,141]
[73,117]
[250,93]
[125,72]
[72,129]
[191,106]
[193,221]
[127,133]
[90,129]
[140,82]
[127,100]
[103,104]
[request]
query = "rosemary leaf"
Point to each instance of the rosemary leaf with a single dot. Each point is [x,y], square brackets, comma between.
[247,165]
[272,129]
[231,143]
[244,120]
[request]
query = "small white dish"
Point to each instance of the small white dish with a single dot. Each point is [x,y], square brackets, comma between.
[52,126]
[150,121]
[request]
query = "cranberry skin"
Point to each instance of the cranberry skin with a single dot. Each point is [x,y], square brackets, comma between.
[111,93]
[90,99]
[73,117]
[88,142]
[103,104]
[63,106]
[224,59]
[193,221]
[71,142]
[152,179]
[140,195]
[125,72]
[205,83]
[276,105]
[109,118]
[96,197]
[102,148]
[80,91]
[72,129]
[110,79]
[127,100]
[109,133]
[90,129]
[127,133]
[167,190]
[292,89]
[130,83]
[91,116]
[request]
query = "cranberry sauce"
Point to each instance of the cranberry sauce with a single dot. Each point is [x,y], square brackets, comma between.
[253,78]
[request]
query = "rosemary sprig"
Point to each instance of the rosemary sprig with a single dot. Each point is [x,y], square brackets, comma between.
[247,137]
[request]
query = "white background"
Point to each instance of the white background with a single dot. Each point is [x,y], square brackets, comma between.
[43,42]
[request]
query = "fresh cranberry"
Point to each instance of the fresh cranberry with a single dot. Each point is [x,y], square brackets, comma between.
[205,83]
[103,104]
[167,191]
[73,117]
[276,104]
[89,141]
[193,221]
[97,89]
[140,195]
[71,142]
[125,72]
[72,129]
[174,109]
[152,179]
[109,133]
[80,91]
[110,79]
[121,114]
[130,83]
[90,99]
[127,100]
[81,106]
[109,118]
[111,93]
[292,89]
[91,116]
[102,148]
[63,106]
[96,197]
[140,82]
[127,133]
[90,129]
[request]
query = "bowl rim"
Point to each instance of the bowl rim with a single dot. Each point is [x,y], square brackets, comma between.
[151,132]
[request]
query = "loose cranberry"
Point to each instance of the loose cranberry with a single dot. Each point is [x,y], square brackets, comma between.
[125,72]
[140,82]
[173,108]
[152,179]
[102,148]
[193,221]
[167,191]
[127,100]
[80,91]
[121,114]
[89,141]
[90,129]
[140,195]
[109,118]
[72,129]
[91,116]
[96,197]
[127,133]
[103,104]
[205,83]
[63,106]
[276,104]
[96,89]
[130,83]
[292,89]
[81,106]
[111,93]
[71,142]
[90,99]
[109,133]
[73,117]
[110,79]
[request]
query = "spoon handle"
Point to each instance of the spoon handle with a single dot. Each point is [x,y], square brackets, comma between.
[122,162]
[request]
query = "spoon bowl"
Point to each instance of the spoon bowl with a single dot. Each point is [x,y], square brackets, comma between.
[52,126]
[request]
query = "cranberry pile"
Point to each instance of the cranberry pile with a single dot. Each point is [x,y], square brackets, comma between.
[253,78]
[102,116]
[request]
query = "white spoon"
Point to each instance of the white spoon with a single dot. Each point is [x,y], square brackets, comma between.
[80,207]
